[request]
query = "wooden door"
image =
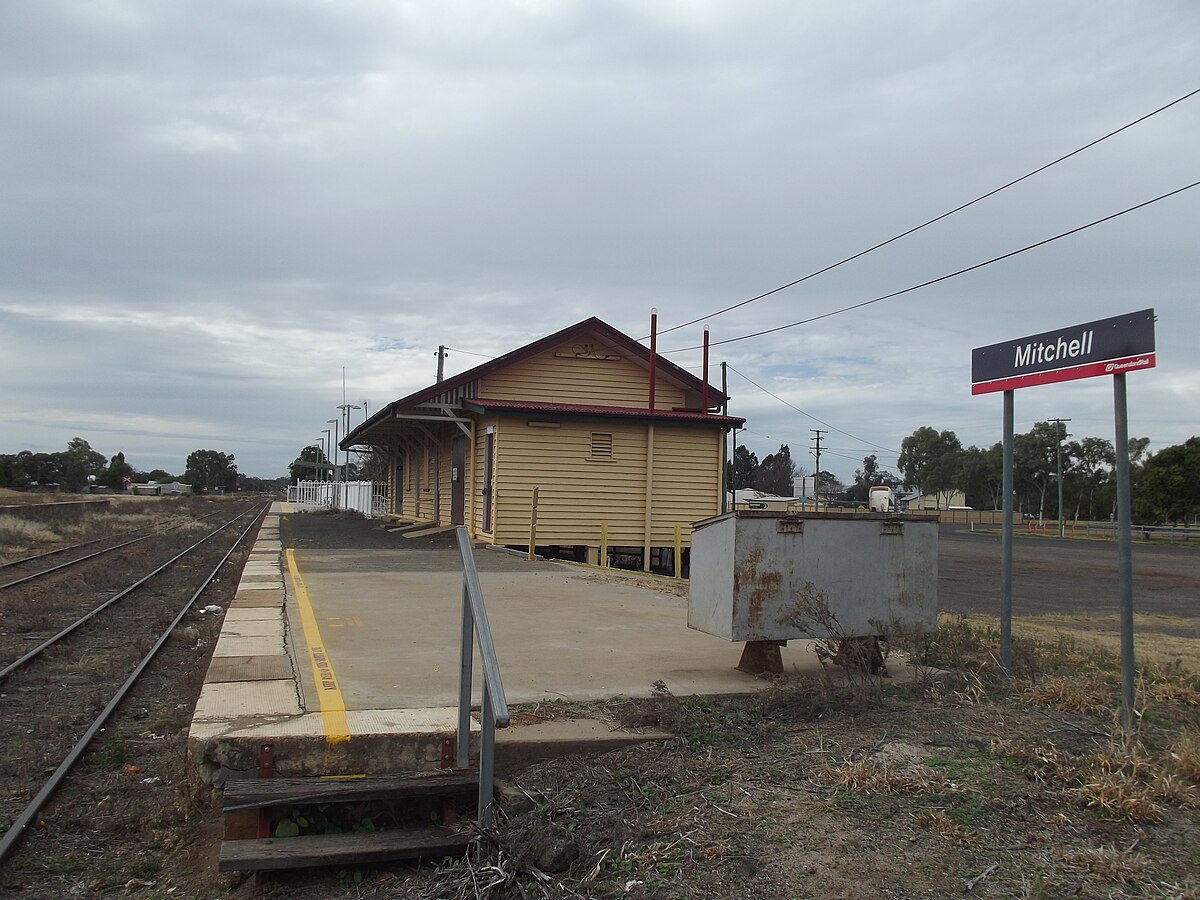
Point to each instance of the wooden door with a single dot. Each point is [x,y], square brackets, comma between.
[489,446]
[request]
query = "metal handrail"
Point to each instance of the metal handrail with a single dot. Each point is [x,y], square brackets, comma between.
[494,705]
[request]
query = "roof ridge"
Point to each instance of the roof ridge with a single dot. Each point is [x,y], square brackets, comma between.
[592,323]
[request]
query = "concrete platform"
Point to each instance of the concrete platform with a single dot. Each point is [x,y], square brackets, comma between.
[345,660]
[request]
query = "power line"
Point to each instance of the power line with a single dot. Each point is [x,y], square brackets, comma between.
[935,219]
[843,452]
[469,352]
[947,277]
[810,415]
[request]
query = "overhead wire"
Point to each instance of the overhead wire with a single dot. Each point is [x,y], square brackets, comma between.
[948,276]
[469,352]
[934,220]
[808,414]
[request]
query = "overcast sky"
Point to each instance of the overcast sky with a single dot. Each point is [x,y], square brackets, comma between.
[207,210]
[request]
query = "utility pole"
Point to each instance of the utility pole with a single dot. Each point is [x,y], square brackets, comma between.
[1062,523]
[441,358]
[817,453]
[725,485]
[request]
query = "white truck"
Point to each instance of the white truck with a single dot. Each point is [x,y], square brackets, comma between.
[881,498]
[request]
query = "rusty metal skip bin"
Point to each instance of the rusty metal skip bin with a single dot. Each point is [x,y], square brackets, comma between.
[763,576]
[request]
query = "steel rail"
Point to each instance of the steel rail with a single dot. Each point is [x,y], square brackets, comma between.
[90,555]
[17,828]
[71,563]
[49,642]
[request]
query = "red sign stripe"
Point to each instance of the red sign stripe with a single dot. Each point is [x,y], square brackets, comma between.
[1108,367]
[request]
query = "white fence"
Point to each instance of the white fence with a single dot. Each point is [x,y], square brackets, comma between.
[366,497]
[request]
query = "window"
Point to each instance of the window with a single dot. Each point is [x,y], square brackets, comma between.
[602,445]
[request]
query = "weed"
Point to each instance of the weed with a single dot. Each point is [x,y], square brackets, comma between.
[1108,864]
[18,536]
[1094,693]
[1184,756]
[941,821]
[111,755]
[62,865]
[863,775]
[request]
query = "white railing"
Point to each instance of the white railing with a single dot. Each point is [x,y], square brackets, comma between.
[353,496]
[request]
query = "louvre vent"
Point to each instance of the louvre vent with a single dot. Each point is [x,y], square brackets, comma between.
[602,445]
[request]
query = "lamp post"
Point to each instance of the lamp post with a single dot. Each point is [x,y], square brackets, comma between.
[345,408]
[366,413]
[328,447]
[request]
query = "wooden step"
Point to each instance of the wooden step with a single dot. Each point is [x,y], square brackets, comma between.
[260,793]
[268,854]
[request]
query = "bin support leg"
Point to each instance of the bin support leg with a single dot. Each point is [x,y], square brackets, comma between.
[762,658]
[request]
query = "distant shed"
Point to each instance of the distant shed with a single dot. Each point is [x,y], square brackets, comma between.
[154,489]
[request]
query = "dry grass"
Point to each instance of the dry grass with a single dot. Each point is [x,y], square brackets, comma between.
[1159,640]
[1185,756]
[862,775]
[1094,694]
[20,537]
[1118,795]
[938,820]
[15,528]
[1120,780]
[1108,864]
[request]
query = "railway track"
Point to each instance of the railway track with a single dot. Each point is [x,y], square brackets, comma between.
[57,696]
[26,569]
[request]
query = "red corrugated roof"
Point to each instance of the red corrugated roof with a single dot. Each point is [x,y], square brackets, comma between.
[602,329]
[625,412]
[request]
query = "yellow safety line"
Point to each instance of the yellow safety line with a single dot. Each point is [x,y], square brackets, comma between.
[333,705]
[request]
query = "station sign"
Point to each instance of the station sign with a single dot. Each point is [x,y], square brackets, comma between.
[1104,347]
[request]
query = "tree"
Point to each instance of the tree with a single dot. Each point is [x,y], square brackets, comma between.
[78,462]
[1035,462]
[211,470]
[981,474]
[1094,461]
[373,466]
[742,469]
[930,461]
[1169,487]
[248,483]
[776,473]
[162,476]
[867,477]
[116,473]
[311,463]
[828,485]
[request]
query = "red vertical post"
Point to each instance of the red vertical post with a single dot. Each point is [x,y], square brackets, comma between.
[653,350]
[704,390]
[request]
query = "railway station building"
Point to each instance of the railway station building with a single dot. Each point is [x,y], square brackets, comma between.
[621,448]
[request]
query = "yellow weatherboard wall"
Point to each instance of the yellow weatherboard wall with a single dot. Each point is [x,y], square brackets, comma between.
[573,373]
[576,491]
[687,462]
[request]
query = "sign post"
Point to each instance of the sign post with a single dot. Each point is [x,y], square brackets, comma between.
[1113,347]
